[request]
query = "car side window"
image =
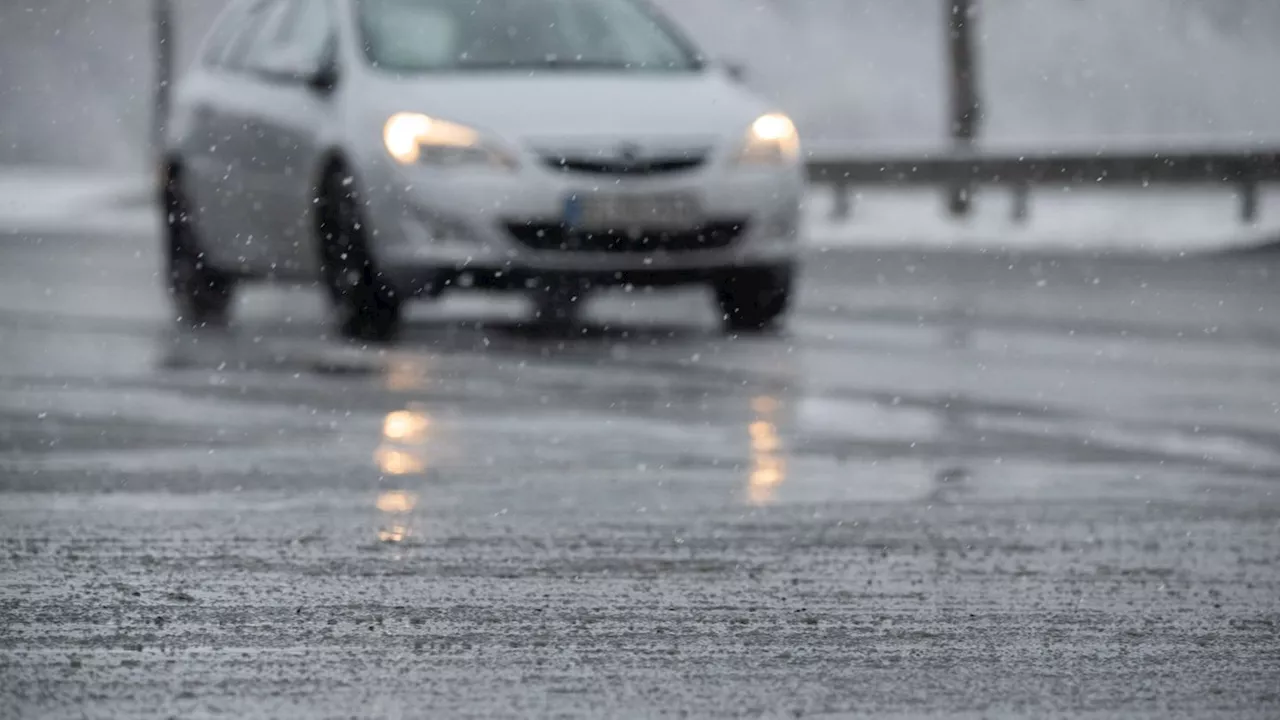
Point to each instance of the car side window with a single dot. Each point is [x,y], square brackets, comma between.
[261,21]
[228,25]
[311,31]
[299,36]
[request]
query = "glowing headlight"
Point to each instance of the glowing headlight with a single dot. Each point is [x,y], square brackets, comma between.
[772,139]
[412,138]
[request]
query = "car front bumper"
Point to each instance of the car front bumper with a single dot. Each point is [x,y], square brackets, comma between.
[432,227]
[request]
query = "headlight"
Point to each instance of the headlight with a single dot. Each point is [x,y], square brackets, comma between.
[771,140]
[413,138]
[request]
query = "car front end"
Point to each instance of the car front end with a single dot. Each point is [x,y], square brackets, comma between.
[455,206]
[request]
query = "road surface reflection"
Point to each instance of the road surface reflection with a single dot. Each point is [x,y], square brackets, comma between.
[768,464]
[401,453]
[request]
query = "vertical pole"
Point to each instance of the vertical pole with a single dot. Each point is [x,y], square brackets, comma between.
[841,201]
[1249,201]
[162,28]
[964,103]
[1021,202]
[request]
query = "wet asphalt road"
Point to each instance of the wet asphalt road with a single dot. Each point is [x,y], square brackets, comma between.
[953,486]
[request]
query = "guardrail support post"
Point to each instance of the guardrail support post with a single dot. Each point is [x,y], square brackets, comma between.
[965,105]
[1249,202]
[162,27]
[841,201]
[1021,202]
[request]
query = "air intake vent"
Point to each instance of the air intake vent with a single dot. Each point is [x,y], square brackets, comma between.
[624,166]
[548,236]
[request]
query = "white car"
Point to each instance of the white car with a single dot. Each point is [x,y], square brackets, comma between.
[394,149]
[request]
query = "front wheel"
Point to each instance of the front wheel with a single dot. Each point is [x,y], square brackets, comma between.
[367,307]
[753,299]
[201,294]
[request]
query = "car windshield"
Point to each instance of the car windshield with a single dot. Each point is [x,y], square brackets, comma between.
[445,35]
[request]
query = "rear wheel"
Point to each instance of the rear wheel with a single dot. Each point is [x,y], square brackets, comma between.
[367,308]
[201,294]
[753,299]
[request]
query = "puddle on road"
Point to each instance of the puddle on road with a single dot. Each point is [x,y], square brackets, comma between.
[867,419]
[396,519]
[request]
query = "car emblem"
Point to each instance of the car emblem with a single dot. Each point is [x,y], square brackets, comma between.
[629,152]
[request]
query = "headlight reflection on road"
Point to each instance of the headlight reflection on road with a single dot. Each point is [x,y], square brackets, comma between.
[764,405]
[409,372]
[402,452]
[768,466]
[397,504]
[405,426]
[393,534]
[397,501]
[392,461]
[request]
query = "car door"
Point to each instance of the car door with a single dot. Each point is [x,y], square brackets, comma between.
[291,113]
[245,217]
[210,176]
[220,149]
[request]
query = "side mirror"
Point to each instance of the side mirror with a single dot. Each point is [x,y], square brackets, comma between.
[735,70]
[324,78]
[288,68]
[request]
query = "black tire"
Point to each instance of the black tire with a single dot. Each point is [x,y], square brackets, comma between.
[366,307]
[753,299]
[201,294]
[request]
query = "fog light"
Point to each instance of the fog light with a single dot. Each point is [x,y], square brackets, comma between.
[433,229]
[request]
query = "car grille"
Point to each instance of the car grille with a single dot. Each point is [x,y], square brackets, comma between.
[617,166]
[553,236]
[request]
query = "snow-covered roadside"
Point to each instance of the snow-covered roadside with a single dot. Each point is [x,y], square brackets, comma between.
[47,200]
[1156,221]
[1152,221]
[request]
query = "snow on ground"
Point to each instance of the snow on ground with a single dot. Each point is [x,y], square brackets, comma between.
[1156,220]
[48,200]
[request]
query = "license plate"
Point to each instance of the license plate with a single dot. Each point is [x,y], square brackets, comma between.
[603,211]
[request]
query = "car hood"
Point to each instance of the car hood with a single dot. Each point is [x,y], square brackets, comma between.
[554,106]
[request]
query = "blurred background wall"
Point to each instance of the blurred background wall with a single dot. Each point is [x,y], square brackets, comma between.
[75,74]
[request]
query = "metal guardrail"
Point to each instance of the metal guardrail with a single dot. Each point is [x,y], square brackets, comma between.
[1244,170]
